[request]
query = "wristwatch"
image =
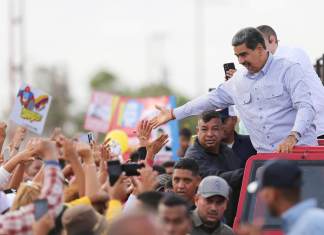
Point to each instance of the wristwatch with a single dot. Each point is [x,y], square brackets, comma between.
[295,134]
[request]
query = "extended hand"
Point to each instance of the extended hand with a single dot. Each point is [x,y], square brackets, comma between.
[144,129]
[163,117]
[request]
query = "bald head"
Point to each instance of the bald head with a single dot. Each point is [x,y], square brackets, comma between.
[128,225]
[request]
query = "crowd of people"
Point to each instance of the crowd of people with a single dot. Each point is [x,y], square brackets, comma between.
[61,185]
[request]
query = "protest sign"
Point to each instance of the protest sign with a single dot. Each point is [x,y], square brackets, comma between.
[31,108]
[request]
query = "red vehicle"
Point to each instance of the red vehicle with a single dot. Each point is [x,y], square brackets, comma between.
[250,207]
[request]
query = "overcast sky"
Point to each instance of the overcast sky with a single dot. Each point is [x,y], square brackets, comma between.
[132,37]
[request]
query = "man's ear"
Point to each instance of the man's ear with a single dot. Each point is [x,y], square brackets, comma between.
[272,39]
[196,197]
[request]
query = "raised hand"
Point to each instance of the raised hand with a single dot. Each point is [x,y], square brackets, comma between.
[155,146]
[41,147]
[105,151]
[18,138]
[229,74]
[69,150]
[163,117]
[143,131]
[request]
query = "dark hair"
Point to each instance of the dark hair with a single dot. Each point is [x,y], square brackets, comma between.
[188,164]
[164,182]
[150,200]
[209,115]
[267,31]
[173,200]
[159,169]
[185,132]
[168,164]
[250,36]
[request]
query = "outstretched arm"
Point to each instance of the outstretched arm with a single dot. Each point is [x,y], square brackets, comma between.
[218,98]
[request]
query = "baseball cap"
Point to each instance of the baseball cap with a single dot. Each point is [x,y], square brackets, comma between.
[278,174]
[213,186]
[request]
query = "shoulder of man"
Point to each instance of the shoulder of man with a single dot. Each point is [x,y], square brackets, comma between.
[195,150]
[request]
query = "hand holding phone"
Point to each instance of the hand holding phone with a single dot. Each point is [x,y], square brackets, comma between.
[227,68]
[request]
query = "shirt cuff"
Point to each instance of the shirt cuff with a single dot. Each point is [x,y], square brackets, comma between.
[179,113]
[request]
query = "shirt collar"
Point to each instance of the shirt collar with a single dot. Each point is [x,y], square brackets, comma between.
[264,69]
[292,215]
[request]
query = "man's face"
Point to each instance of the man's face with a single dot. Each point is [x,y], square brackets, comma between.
[211,209]
[184,183]
[269,196]
[210,133]
[229,126]
[175,220]
[250,59]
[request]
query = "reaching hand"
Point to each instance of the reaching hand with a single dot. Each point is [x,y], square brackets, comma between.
[155,146]
[19,136]
[3,127]
[39,146]
[163,117]
[69,150]
[144,129]
[84,150]
[105,152]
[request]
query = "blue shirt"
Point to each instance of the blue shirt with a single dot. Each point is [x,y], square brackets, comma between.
[303,219]
[271,103]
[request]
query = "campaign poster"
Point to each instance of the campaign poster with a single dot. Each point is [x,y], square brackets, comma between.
[31,108]
[99,114]
[130,111]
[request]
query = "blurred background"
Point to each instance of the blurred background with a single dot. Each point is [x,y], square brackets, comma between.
[135,48]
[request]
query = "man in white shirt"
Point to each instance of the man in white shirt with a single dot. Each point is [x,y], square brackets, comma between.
[299,56]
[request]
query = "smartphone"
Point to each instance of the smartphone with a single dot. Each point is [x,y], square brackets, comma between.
[227,67]
[90,137]
[41,208]
[114,170]
[131,168]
